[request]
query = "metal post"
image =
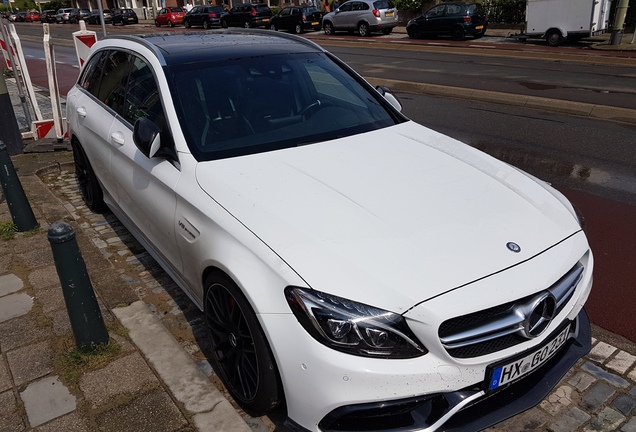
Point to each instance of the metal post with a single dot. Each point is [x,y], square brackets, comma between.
[10,131]
[81,304]
[19,206]
[619,22]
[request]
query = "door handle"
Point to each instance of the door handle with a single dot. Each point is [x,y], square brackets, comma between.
[81,111]
[117,138]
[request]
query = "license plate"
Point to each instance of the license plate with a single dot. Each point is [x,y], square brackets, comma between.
[514,370]
[315,23]
[389,14]
[479,27]
[265,19]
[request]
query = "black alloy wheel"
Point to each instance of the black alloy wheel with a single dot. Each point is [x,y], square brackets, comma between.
[458,33]
[298,29]
[241,355]
[206,24]
[87,183]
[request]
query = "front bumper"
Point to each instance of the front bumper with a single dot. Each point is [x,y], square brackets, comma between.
[469,409]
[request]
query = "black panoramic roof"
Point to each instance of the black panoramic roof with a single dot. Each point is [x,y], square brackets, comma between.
[178,48]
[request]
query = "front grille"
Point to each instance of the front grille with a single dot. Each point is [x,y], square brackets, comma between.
[500,327]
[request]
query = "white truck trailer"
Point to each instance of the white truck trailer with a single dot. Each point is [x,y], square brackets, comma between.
[556,20]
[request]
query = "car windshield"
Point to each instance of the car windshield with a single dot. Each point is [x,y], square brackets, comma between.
[250,105]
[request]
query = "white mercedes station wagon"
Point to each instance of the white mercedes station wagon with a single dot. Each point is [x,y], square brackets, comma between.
[361,269]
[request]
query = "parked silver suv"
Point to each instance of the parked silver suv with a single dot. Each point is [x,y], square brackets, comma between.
[363,16]
[63,15]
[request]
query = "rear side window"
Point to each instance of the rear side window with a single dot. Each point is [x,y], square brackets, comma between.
[453,10]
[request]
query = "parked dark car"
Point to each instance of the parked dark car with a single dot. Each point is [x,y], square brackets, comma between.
[456,20]
[247,15]
[78,14]
[170,16]
[297,19]
[93,18]
[205,16]
[48,16]
[124,16]
[21,17]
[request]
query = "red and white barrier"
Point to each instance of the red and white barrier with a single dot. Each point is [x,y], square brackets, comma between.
[84,40]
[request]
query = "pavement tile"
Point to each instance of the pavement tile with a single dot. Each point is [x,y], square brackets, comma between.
[597,395]
[43,277]
[600,373]
[5,379]
[154,411]
[15,305]
[621,362]
[570,421]
[558,400]
[47,399]
[601,352]
[9,284]
[581,381]
[126,376]
[10,420]
[72,422]
[22,331]
[625,404]
[630,426]
[30,362]
[607,420]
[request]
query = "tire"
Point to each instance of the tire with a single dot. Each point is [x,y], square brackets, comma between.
[186,24]
[458,34]
[387,31]
[298,29]
[241,355]
[363,29]
[247,25]
[413,32]
[273,27]
[87,183]
[170,24]
[206,24]
[553,37]
[224,24]
[157,23]
[328,28]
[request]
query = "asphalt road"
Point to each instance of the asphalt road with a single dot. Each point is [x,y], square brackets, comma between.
[591,161]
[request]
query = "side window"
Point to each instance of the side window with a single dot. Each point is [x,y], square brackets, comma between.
[92,74]
[142,98]
[453,9]
[345,7]
[295,11]
[436,11]
[163,11]
[112,90]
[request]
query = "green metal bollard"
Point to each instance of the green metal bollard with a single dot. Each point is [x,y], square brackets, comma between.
[19,206]
[81,304]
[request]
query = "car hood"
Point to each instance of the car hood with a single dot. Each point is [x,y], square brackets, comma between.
[391,217]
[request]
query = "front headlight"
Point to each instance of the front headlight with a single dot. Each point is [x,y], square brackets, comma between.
[352,327]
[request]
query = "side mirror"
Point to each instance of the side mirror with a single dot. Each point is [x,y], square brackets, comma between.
[146,136]
[389,96]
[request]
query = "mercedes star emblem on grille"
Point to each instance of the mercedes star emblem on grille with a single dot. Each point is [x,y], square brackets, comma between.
[542,312]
